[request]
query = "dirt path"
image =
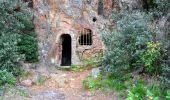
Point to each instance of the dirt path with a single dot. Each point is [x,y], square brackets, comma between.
[65,85]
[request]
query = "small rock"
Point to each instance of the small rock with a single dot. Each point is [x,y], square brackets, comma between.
[27,82]
[95,72]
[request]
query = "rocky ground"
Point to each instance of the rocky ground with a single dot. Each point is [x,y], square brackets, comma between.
[62,85]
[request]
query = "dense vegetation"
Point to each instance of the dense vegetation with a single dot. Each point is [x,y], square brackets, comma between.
[137,60]
[17,38]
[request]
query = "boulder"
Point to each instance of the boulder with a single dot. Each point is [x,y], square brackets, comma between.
[95,72]
[26,82]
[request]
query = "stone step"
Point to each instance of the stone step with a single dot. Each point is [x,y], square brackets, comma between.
[63,67]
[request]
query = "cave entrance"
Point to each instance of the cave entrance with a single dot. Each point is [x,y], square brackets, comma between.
[66,50]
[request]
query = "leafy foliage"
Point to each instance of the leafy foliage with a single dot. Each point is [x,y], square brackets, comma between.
[98,83]
[105,84]
[126,44]
[137,91]
[28,47]
[165,59]
[151,56]
[15,25]
[135,48]
[9,37]
[6,78]
[161,7]
[168,94]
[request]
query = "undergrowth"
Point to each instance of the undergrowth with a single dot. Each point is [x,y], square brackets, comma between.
[130,88]
[77,68]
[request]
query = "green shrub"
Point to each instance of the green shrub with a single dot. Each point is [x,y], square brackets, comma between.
[151,57]
[151,96]
[154,90]
[135,47]
[90,83]
[10,57]
[118,85]
[126,44]
[133,96]
[29,47]
[168,94]
[137,91]
[28,44]
[165,59]
[15,22]
[161,8]
[141,90]
[6,78]
[101,83]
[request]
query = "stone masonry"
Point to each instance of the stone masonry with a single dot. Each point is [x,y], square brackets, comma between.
[53,18]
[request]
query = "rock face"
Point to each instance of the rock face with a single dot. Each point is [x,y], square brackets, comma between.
[68,30]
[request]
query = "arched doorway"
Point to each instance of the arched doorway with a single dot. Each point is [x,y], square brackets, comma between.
[66,50]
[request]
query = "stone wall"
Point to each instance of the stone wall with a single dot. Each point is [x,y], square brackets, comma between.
[56,17]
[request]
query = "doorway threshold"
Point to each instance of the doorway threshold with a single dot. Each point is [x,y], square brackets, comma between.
[63,67]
